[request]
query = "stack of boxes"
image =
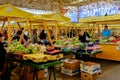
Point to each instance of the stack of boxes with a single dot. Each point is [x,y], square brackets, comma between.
[90,70]
[70,67]
[28,73]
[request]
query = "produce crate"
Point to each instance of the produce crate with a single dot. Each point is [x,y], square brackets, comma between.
[56,57]
[69,56]
[69,72]
[90,67]
[71,64]
[87,76]
[41,74]
[37,57]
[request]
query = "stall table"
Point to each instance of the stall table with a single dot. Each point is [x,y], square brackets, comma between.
[109,52]
[84,55]
[36,66]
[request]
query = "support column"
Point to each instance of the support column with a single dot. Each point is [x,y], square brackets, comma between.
[48,34]
[9,31]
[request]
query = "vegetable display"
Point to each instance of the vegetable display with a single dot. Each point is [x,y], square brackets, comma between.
[16,46]
[111,39]
[67,43]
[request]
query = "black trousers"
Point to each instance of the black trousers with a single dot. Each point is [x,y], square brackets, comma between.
[2,59]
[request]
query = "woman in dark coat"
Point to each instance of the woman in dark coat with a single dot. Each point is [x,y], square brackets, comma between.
[84,38]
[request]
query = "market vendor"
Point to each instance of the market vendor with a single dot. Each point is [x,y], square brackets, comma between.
[106,32]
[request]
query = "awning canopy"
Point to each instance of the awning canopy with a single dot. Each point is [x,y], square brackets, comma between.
[9,10]
[113,19]
[52,17]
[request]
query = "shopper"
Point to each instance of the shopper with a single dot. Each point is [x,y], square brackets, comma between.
[51,34]
[34,38]
[72,33]
[26,33]
[5,35]
[106,32]
[2,54]
[42,35]
[84,36]
[18,35]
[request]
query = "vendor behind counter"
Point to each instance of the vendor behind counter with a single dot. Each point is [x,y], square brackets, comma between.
[106,32]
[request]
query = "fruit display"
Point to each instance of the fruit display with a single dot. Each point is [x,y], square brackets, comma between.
[111,39]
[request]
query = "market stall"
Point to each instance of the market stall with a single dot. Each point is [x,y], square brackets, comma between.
[36,56]
[36,66]
[10,13]
[65,29]
[59,18]
[46,19]
[109,45]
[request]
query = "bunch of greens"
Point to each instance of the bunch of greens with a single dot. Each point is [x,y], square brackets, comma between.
[59,42]
[31,49]
[75,41]
[82,46]
[16,46]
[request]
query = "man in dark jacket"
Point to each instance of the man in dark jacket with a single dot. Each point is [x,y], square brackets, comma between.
[42,35]
[2,53]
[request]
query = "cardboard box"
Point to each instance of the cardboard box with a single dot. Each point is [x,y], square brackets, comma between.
[37,57]
[87,76]
[56,57]
[71,64]
[90,67]
[69,56]
[41,74]
[58,67]
[69,72]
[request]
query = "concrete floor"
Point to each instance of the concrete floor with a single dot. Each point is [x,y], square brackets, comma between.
[109,70]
